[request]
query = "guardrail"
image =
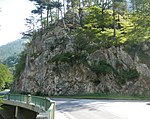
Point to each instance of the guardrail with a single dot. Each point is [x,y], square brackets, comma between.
[45,104]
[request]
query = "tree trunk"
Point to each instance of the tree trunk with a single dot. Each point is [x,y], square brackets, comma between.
[114,22]
[64,8]
[103,8]
[64,24]
[51,16]
[47,18]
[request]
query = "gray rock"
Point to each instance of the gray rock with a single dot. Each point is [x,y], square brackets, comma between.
[49,78]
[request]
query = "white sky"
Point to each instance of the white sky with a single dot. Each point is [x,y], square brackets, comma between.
[12,15]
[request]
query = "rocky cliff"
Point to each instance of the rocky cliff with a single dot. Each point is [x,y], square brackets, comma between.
[53,69]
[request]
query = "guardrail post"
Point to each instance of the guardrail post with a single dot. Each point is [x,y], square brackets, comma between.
[28,99]
[16,112]
[45,103]
[54,108]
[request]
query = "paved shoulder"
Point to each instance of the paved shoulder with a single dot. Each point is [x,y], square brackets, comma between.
[59,115]
[82,109]
[102,109]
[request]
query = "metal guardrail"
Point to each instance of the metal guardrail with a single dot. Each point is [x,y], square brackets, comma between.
[45,103]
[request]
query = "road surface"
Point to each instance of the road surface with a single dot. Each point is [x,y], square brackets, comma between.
[102,109]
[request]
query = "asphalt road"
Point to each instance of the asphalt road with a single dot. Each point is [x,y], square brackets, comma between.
[103,109]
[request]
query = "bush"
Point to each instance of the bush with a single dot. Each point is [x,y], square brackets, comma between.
[102,67]
[69,57]
[127,75]
[6,77]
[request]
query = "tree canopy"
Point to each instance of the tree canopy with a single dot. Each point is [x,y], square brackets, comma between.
[6,77]
[106,22]
[140,17]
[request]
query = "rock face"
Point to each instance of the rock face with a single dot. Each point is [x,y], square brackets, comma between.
[41,76]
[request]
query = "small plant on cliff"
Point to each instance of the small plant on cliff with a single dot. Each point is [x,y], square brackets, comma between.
[69,57]
[102,67]
[127,75]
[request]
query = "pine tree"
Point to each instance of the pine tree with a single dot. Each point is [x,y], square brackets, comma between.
[141,21]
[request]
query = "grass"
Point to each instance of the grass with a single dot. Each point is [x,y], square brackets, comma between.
[106,97]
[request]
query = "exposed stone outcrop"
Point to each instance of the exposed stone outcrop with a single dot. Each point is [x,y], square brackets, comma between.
[60,78]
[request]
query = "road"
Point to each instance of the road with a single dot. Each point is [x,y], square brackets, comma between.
[103,109]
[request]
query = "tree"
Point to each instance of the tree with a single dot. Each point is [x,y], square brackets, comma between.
[137,5]
[50,5]
[6,77]
[141,20]
[118,6]
[39,11]
[48,8]
[47,5]
[31,24]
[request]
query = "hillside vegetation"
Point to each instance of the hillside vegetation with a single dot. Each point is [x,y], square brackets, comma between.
[11,49]
[9,57]
[9,53]
[95,47]
[6,78]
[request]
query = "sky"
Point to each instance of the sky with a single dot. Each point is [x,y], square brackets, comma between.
[12,15]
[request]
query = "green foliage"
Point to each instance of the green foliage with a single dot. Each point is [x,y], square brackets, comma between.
[144,58]
[63,57]
[6,77]
[105,96]
[96,25]
[98,29]
[141,19]
[69,57]
[21,64]
[102,67]
[127,75]
[84,42]
[11,49]
[123,76]
[11,61]
[95,17]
